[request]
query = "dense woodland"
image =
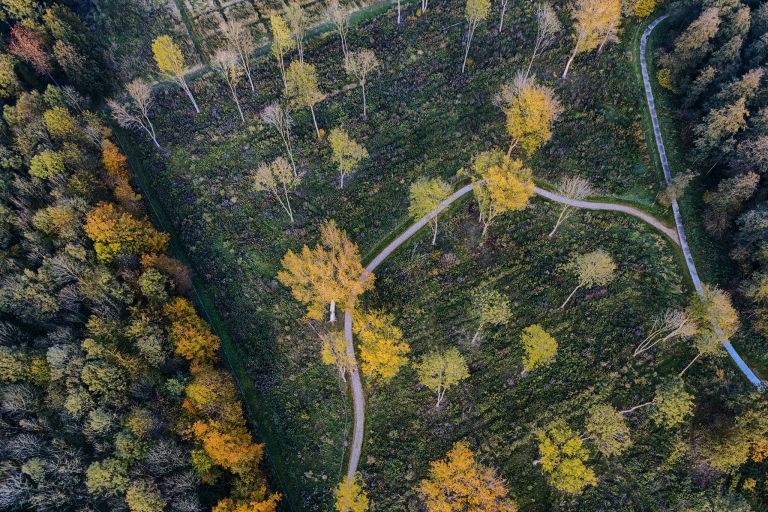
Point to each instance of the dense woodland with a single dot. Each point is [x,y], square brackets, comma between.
[515,355]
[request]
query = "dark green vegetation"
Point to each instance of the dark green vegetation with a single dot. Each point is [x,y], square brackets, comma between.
[426,119]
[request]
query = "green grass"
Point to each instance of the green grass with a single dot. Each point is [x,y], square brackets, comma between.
[426,120]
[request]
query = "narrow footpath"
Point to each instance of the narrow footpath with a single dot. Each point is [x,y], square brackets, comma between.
[746,370]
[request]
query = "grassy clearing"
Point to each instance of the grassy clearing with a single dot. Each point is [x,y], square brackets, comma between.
[426,120]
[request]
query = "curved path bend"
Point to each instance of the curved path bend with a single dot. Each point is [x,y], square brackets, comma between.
[356,385]
[746,370]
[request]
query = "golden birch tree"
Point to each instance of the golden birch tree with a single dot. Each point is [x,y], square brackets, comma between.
[170,61]
[282,43]
[475,12]
[346,153]
[595,268]
[439,371]
[594,22]
[426,195]
[302,88]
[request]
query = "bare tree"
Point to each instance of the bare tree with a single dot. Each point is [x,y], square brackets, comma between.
[277,179]
[279,118]
[136,115]
[575,188]
[359,65]
[504,4]
[673,323]
[548,25]
[240,41]
[340,19]
[298,21]
[227,64]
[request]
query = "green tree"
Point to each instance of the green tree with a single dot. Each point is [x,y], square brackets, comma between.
[595,268]
[563,457]
[488,307]
[144,496]
[607,429]
[440,371]
[426,195]
[281,44]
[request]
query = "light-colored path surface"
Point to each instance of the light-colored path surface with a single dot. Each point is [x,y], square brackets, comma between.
[356,386]
[746,370]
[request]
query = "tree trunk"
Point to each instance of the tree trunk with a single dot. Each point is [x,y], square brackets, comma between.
[632,409]
[559,220]
[477,333]
[341,180]
[189,94]
[317,130]
[424,4]
[573,56]
[248,74]
[281,65]
[469,42]
[333,312]
[434,230]
[365,105]
[237,102]
[398,12]
[511,147]
[533,57]
[503,10]
[570,296]
[690,364]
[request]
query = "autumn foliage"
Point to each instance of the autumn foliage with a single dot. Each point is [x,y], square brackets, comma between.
[459,483]
[191,337]
[115,232]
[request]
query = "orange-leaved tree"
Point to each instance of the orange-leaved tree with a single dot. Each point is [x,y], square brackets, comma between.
[191,337]
[329,274]
[459,483]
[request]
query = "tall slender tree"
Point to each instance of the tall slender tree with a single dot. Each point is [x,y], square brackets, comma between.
[302,88]
[347,153]
[594,22]
[228,66]
[547,26]
[240,41]
[298,21]
[282,42]
[591,269]
[475,12]
[279,118]
[575,188]
[136,113]
[278,179]
[170,61]
[360,64]
[340,19]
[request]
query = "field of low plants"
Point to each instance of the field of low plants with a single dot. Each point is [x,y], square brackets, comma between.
[428,119]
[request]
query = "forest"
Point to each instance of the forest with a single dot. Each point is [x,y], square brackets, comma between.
[446,255]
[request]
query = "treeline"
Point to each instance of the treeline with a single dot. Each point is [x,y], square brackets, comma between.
[112,396]
[716,66]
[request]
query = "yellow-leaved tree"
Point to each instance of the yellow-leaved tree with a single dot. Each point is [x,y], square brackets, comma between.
[425,195]
[531,109]
[330,273]
[500,185]
[351,496]
[333,352]
[440,371]
[595,268]
[539,347]
[302,88]
[595,22]
[115,232]
[459,483]
[170,61]
[563,458]
[346,152]
[382,349]
[475,11]
[282,42]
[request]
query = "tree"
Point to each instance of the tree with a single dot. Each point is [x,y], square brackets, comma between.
[693,45]
[190,336]
[458,483]
[281,44]
[440,371]
[28,45]
[359,64]
[504,4]
[718,129]
[328,274]
[673,404]
[547,26]
[346,152]
[334,352]
[114,232]
[298,21]
[489,307]
[46,165]
[302,89]
[717,318]
[240,41]
[563,457]
[673,323]
[227,65]
[340,20]
[500,185]
[726,203]
[595,268]
[144,496]
[382,349]
[135,114]
[531,109]
[9,82]
[279,117]
[475,12]
[539,347]
[351,496]
[594,22]
[278,179]
[575,188]
[426,195]
[643,8]
[607,429]
[170,62]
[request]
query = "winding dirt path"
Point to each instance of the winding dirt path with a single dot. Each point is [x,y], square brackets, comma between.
[746,370]
[355,383]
